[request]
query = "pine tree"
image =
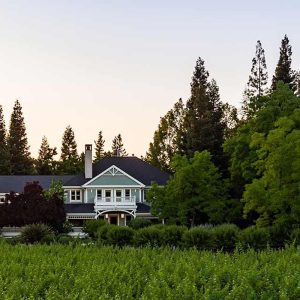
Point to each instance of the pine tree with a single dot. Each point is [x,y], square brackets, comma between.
[20,160]
[283,71]
[99,147]
[4,154]
[69,159]
[167,140]
[118,147]
[256,86]
[204,128]
[45,164]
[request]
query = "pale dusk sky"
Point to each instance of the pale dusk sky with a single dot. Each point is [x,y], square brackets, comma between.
[118,66]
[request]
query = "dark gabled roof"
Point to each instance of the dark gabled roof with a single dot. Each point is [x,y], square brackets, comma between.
[133,166]
[84,208]
[16,183]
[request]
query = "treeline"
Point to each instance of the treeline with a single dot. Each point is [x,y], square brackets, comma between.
[15,156]
[241,168]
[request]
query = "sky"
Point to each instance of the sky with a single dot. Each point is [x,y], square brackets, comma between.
[118,66]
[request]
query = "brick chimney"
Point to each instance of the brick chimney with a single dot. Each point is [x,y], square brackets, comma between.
[88,161]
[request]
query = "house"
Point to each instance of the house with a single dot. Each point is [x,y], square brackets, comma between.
[114,189]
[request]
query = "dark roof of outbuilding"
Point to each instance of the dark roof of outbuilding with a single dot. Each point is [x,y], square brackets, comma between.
[133,166]
[83,208]
[16,183]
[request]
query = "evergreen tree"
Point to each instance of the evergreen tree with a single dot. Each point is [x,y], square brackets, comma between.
[204,127]
[167,140]
[283,71]
[118,147]
[45,164]
[20,160]
[4,154]
[99,147]
[69,159]
[256,86]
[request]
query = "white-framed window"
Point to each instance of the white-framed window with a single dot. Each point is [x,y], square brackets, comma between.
[75,195]
[118,195]
[107,195]
[99,194]
[127,194]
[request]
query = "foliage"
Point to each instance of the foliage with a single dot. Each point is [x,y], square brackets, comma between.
[171,235]
[200,237]
[70,162]
[256,86]
[99,147]
[45,164]
[195,194]
[4,151]
[254,237]
[139,223]
[167,139]
[118,147]
[151,236]
[91,226]
[295,236]
[36,233]
[20,161]
[32,206]
[55,190]
[283,71]
[225,237]
[119,235]
[64,239]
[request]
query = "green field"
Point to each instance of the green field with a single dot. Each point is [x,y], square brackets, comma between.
[91,272]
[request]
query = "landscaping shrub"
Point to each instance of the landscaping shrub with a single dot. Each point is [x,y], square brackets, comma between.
[119,236]
[279,235]
[151,236]
[254,237]
[64,239]
[295,236]
[35,233]
[102,233]
[67,227]
[200,237]
[139,223]
[91,227]
[225,237]
[172,234]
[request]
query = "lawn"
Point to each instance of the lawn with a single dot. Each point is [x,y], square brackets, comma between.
[92,272]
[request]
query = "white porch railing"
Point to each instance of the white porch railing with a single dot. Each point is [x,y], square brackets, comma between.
[115,201]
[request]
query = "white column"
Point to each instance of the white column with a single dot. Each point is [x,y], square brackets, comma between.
[85,196]
[140,195]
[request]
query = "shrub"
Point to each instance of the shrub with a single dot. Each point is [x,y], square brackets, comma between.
[295,236]
[139,223]
[200,237]
[35,233]
[279,235]
[119,236]
[67,227]
[254,237]
[64,239]
[91,226]
[171,235]
[151,236]
[225,237]
[102,233]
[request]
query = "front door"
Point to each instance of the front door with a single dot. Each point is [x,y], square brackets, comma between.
[113,220]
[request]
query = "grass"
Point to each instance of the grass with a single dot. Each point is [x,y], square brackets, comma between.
[90,272]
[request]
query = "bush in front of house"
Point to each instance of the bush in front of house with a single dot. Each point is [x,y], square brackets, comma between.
[225,237]
[36,233]
[64,239]
[91,226]
[200,237]
[279,235]
[171,235]
[254,237]
[119,235]
[151,236]
[101,234]
[295,236]
[139,223]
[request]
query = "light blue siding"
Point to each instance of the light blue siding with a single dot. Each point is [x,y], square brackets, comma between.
[113,180]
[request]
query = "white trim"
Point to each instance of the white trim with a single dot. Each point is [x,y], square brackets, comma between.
[113,186]
[70,195]
[113,166]
[72,187]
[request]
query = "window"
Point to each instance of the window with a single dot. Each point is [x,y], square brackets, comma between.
[107,195]
[99,194]
[75,195]
[127,194]
[118,195]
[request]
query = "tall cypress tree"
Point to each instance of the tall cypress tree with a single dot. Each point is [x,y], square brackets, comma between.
[257,83]
[167,140]
[118,147]
[20,160]
[45,164]
[204,128]
[283,71]
[4,154]
[99,147]
[69,159]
